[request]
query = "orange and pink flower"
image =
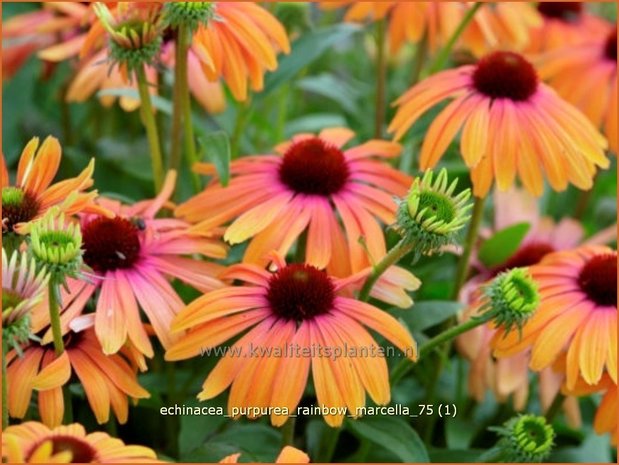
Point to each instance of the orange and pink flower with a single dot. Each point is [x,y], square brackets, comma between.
[301,310]
[512,125]
[307,187]
[577,317]
[132,256]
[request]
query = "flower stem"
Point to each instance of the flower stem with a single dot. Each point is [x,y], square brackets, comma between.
[177,113]
[288,432]
[463,265]
[555,407]
[402,368]
[441,59]
[148,119]
[454,332]
[392,257]
[381,74]
[54,316]
[183,43]
[5,385]
[420,57]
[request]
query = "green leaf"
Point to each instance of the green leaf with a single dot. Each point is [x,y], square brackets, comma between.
[394,434]
[503,244]
[196,428]
[424,315]
[314,123]
[455,455]
[330,86]
[594,449]
[158,102]
[216,147]
[305,50]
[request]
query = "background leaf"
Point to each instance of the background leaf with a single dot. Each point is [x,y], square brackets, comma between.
[502,245]
[216,147]
[394,434]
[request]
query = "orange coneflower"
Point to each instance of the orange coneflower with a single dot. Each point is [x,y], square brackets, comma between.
[288,454]
[238,45]
[132,255]
[296,309]
[33,193]
[586,75]
[306,186]
[577,316]
[493,25]
[33,442]
[108,381]
[564,24]
[509,376]
[512,124]
[56,24]
[605,420]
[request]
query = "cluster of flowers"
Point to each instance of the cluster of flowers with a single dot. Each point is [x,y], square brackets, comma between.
[78,268]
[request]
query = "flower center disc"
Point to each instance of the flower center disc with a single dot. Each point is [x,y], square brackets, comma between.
[17,207]
[566,11]
[505,75]
[313,166]
[81,451]
[610,50]
[110,244]
[598,279]
[530,254]
[300,292]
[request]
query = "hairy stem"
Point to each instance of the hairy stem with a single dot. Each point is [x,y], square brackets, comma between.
[392,257]
[150,124]
[441,58]
[54,316]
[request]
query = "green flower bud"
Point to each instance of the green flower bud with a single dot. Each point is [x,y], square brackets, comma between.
[56,244]
[431,216]
[512,298]
[188,13]
[524,439]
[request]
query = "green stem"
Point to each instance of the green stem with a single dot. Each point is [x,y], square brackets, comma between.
[150,124]
[420,58]
[177,112]
[5,385]
[54,316]
[555,407]
[402,368]
[471,237]
[441,59]
[183,44]
[381,75]
[454,332]
[392,257]
[288,432]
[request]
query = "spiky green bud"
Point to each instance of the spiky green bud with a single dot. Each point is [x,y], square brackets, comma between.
[524,439]
[56,244]
[189,14]
[512,298]
[431,216]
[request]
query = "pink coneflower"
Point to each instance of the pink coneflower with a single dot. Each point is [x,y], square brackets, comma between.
[586,75]
[564,24]
[511,123]
[308,186]
[297,306]
[131,256]
[577,316]
[509,376]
